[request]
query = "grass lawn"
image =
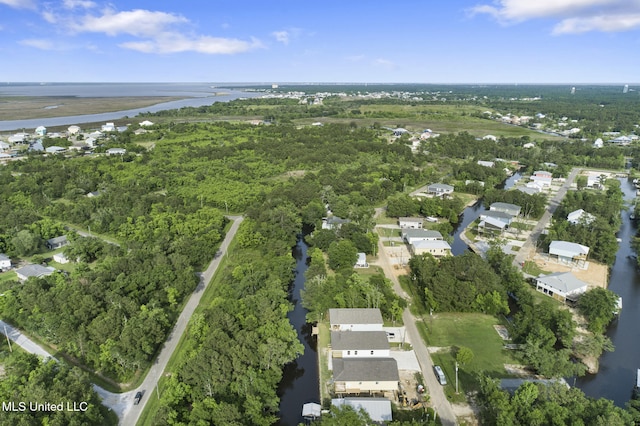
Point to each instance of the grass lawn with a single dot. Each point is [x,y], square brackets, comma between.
[474,331]
[532,268]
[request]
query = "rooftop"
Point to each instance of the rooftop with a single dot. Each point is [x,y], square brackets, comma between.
[355,316]
[365,369]
[359,340]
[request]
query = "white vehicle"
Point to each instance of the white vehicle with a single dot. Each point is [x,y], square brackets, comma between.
[440,375]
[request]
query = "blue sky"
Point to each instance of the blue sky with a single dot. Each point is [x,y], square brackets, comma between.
[457,41]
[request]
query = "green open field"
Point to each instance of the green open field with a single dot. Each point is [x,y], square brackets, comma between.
[474,331]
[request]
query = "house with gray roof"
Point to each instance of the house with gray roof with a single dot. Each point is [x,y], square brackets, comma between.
[436,248]
[580,217]
[359,344]
[491,225]
[410,236]
[33,270]
[512,209]
[440,189]
[57,242]
[561,286]
[333,222]
[568,252]
[410,222]
[378,409]
[501,216]
[355,319]
[357,376]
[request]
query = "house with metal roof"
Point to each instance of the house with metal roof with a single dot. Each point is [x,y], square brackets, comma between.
[362,261]
[410,236]
[378,409]
[356,376]
[33,270]
[512,209]
[5,262]
[491,225]
[561,286]
[333,222]
[359,344]
[580,217]
[436,248]
[410,222]
[501,216]
[568,252]
[355,319]
[57,242]
[440,189]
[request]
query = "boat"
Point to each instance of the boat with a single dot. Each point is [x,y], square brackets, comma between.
[636,388]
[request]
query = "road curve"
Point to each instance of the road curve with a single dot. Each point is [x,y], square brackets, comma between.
[132,412]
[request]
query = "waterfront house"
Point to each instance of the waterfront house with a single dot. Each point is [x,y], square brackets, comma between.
[580,216]
[355,319]
[359,344]
[491,225]
[41,130]
[501,216]
[410,236]
[73,130]
[410,222]
[561,286]
[508,208]
[436,248]
[333,222]
[568,252]
[440,189]
[57,242]
[356,376]
[33,270]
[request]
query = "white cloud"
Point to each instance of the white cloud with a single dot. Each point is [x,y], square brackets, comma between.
[355,58]
[19,4]
[281,36]
[135,22]
[41,44]
[79,4]
[176,43]
[575,16]
[385,63]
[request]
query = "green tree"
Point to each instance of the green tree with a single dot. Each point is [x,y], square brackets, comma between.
[342,254]
[599,306]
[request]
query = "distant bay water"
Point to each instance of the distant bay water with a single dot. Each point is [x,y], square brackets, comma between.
[196,94]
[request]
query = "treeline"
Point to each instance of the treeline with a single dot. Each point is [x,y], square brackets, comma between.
[532,205]
[27,381]
[598,232]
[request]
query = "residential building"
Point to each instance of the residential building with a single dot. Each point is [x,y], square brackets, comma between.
[440,189]
[501,216]
[145,123]
[355,319]
[359,344]
[5,262]
[568,252]
[378,409]
[357,376]
[437,248]
[73,130]
[410,222]
[32,270]
[109,127]
[116,151]
[562,286]
[508,208]
[410,236]
[362,261]
[57,242]
[41,130]
[580,216]
[60,258]
[492,225]
[486,163]
[333,222]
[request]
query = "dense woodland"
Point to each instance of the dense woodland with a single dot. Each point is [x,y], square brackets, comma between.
[160,215]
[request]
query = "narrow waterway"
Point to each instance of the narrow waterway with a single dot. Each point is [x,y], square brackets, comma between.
[470,214]
[300,382]
[617,374]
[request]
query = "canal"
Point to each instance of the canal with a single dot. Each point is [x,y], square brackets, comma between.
[617,374]
[300,381]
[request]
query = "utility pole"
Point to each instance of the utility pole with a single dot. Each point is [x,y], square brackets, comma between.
[8,340]
[456,377]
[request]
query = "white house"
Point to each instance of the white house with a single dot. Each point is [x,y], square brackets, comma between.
[18,138]
[73,130]
[109,127]
[543,181]
[492,225]
[593,181]
[41,130]
[355,319]
[568,252]
[411,236]
[490,137]
[501,216]
[561,286]
[378,409]
[440,189]
[145,123]
[32,270]
[580,216]
[528,145]
[437,248]
[599,143]
[55,149]
[486,163]
[116,151]
[365,375]
[5,262]
[359,344]
[60,258]
[333,222]
[362,261]
[410,222]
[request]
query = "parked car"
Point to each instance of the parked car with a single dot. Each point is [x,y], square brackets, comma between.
[440,375]
[137,398]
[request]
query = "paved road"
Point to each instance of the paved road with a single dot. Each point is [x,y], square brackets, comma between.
[530,244]
[132,412]
[438,399]
[23,341]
